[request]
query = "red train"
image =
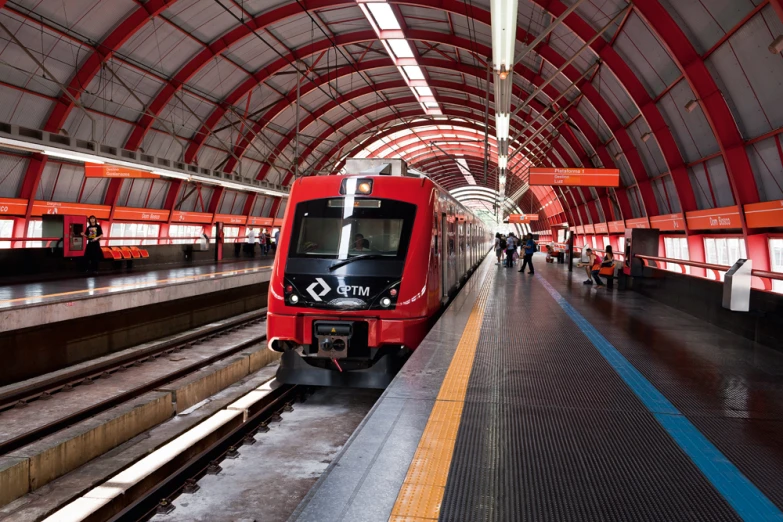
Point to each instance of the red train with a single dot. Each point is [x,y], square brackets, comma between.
[364,265]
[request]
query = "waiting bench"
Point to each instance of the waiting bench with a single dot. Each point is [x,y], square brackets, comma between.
[124,252]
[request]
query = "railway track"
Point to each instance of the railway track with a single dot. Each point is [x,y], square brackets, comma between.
[182,475]
[63,382]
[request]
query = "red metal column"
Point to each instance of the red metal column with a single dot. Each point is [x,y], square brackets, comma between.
[168,204]
[777,5]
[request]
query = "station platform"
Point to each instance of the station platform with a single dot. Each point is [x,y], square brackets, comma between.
[30,304]
[536,397]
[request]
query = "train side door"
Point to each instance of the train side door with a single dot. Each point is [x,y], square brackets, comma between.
[463,255]
[444,257]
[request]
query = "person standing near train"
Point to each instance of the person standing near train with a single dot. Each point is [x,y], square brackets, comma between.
[511,246]
[92,252]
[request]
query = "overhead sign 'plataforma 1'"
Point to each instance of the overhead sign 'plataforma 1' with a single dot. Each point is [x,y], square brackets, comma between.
[575,177]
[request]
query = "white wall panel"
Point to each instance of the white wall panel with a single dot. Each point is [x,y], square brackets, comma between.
[646,56]
[691,131]
[765,159]
[12,169]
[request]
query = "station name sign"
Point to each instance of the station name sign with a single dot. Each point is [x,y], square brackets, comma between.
[575,177]
[522,218]
[94,170]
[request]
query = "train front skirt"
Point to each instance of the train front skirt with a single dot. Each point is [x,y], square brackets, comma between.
[294,369]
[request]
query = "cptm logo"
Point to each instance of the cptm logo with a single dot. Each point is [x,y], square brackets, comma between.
[363,291]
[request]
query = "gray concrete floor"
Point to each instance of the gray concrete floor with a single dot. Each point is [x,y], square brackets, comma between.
[269,479]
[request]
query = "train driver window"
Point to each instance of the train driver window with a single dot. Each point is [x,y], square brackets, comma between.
[327,229]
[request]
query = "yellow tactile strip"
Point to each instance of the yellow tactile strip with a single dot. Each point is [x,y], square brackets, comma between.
[422,491]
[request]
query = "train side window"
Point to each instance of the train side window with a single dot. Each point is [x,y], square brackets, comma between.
[435,231]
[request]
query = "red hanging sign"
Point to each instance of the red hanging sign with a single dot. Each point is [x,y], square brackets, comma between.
[576,177]
[668,222]
[637,223]
[714,219]
[94,170]
[140,214]
[13,207]
[41,208]
[768,214]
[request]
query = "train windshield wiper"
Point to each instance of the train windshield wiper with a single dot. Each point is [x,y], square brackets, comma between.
[352,259]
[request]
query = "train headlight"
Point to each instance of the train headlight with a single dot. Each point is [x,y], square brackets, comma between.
[365,187]
[386,302]
[294,299]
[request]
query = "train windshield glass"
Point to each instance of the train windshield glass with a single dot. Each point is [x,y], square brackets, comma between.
[340,228]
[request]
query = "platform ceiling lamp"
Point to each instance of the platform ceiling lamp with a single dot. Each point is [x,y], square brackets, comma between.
[504,33]
[504,37]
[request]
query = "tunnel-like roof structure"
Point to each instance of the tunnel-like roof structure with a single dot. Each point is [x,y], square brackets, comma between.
[683,97]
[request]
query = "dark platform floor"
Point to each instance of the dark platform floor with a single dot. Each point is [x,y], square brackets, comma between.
[581,404]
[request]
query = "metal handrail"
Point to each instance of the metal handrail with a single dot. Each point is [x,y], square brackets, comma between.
[696,264]
[765,276]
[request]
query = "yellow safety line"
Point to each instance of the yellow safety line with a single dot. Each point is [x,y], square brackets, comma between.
[422,491]
[35,299]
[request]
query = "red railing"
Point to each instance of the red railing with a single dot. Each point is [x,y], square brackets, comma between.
[763,276]
[578,250]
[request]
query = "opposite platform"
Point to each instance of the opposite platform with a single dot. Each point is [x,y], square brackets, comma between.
[559,402]
[32,304]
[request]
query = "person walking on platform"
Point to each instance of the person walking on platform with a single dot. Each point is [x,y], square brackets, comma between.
[498,247]
[92,251]
[530,249]
[277,241]
[511,246]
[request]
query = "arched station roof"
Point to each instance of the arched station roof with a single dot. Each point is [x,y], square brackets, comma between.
[681,96]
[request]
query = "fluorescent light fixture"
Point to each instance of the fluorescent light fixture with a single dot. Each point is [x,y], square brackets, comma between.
[20,145]
[170,174]
[384,16]
[424,91]
[431,105]
[504,33]
[413,72]
[502,162]
[618,156]
[646,137]
[400,48]
[235,186]
[691,105]
[502,122]
[777,45]
[73,156]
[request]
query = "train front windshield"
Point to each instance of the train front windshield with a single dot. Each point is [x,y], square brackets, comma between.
[341,228]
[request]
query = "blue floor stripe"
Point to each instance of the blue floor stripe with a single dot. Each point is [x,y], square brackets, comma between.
[746,499]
